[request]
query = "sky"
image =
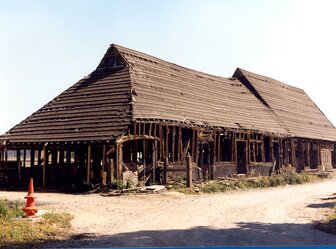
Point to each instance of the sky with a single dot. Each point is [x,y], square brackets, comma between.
[47,46]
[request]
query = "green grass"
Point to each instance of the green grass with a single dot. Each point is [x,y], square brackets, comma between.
[52,226]
[243,183]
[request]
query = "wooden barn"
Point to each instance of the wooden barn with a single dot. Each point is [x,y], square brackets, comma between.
[138,117]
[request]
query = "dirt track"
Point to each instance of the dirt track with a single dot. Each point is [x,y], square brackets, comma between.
[275,216]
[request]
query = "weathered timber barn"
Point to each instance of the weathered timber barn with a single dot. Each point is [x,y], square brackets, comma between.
[140,114]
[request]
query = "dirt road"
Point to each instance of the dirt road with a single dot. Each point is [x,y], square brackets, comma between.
[274,216]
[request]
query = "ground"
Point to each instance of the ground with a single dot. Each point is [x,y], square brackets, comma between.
[273,216]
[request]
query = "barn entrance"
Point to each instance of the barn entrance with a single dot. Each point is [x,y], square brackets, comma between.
[241,157]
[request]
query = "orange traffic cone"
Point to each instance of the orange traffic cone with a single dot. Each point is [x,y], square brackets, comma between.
[30,208]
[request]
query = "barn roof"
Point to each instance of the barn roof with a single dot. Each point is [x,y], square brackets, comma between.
[132,86]
[96,108]
[291,105]
[166,91]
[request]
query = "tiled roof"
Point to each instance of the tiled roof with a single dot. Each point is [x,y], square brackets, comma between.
[291,105]
[129,85]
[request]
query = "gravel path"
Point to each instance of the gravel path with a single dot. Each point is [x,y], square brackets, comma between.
[274,216]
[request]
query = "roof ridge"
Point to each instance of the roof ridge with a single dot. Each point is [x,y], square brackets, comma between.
[157,59]
[269,79]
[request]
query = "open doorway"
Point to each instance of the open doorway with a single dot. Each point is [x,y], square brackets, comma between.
[241,157]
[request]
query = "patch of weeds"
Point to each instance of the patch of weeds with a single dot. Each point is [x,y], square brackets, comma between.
[52,226]
[117,184]
[257,182]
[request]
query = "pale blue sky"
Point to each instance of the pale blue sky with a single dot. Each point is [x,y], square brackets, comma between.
[47,46]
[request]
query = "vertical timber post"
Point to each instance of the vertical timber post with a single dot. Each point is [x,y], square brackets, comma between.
[32,163]
[154,160]
[119,160]
[18,164]
[44,168]
[165,165]
[103,173]
[189,171]
[88,168]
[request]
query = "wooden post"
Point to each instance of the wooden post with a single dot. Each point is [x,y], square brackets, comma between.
[201,161]
[196,145]
[308,153]
[292,148]
[44,168]
[192,147]
[6,157]
[53,165]
[24,157]
[161,143]
[155,130]
[103,170]
[154,160]
[272,150]
[262,148]
[150,129]
[215,147]
[39,163]
[32,163]
[18,164]
[173,144]
[167,143]
[180,149]
[218,157]
[189,171]
[88,167]
[119,161]
[165,166]
[318,153]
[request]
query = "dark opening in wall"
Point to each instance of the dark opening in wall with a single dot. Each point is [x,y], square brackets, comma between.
[226,148]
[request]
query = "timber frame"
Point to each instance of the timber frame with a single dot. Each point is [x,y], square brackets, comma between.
[155,151]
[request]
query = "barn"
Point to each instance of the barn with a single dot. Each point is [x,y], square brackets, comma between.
[137,115]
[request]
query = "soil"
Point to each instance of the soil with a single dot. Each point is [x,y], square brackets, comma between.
[273,216]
